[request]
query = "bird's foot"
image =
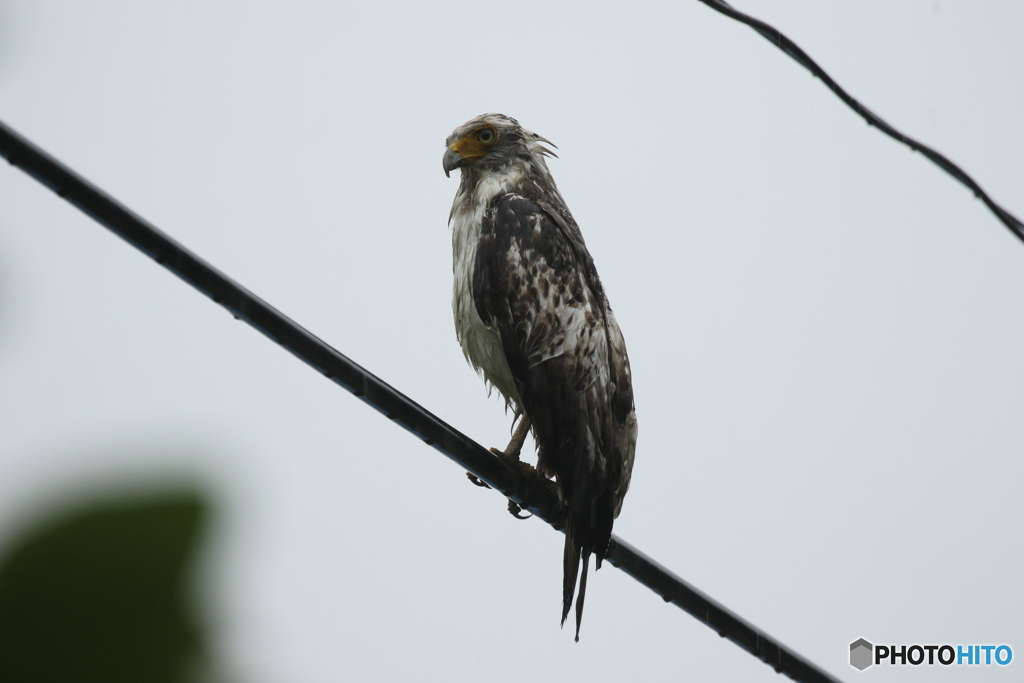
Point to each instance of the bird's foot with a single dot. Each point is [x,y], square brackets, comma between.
[528,481]
[523,469]
[507,454]
[511,452]
[526,474]
[528,478]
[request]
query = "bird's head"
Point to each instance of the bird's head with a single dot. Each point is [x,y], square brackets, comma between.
[491,141]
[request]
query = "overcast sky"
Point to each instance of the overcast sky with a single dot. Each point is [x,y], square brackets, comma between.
[826,331]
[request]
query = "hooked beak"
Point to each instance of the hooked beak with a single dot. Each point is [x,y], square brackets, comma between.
[451,161]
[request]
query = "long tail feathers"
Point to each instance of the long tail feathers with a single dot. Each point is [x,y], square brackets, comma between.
[570,571]
[583,592]
[570,568]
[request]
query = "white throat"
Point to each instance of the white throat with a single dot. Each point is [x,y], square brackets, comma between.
[481,344]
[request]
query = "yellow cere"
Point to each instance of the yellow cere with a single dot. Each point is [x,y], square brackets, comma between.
[470,146]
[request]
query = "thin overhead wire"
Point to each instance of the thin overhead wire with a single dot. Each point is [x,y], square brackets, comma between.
[776,38]
[541,500]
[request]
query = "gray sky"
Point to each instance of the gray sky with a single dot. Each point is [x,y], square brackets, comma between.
[825,330]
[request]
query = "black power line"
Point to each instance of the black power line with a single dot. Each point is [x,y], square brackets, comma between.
[541,500]
[780,41]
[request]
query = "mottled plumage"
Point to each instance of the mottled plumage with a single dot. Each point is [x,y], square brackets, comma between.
[532,318]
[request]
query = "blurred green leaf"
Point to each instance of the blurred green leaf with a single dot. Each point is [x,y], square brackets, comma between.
[101,595]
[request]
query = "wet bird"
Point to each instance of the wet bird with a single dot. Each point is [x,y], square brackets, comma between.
[533,319]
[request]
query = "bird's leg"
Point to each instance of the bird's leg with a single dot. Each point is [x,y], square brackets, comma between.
[511,456]
[515,446]
[511,452]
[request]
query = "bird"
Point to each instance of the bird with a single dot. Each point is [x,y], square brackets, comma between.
[532,318]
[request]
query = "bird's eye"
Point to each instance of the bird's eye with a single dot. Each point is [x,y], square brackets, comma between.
[486,136]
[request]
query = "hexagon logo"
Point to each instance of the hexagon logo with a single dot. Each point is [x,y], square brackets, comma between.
[861,654]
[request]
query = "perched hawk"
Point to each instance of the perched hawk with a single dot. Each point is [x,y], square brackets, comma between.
[533,319]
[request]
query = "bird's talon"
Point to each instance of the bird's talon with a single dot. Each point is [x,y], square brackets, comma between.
[515,510]
[475,481]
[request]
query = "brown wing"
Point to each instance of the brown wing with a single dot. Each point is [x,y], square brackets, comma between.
[535,282]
